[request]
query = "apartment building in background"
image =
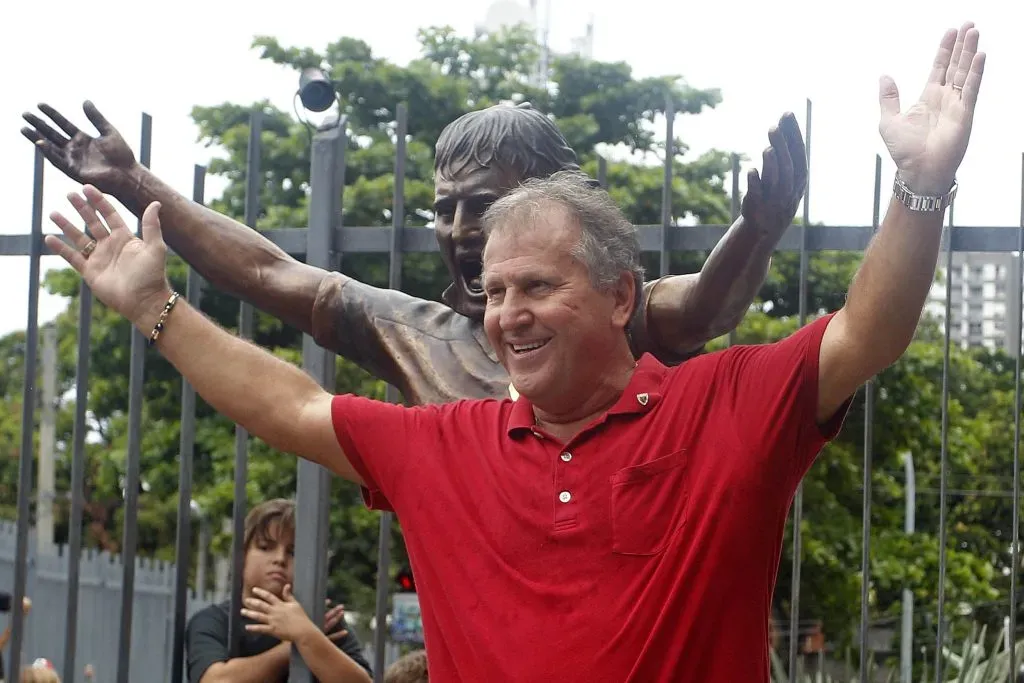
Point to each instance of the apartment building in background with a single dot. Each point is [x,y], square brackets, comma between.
[982,310]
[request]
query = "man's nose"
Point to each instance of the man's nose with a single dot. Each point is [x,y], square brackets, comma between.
[515,313]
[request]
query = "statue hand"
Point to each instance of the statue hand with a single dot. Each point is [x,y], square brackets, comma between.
[106,161]
[773,196]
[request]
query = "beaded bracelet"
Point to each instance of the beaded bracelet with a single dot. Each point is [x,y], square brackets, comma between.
[158,328]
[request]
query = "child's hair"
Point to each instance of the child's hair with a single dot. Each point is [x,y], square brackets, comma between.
[412,668]
[272,516]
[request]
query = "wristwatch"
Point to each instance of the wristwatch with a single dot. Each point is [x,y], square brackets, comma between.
[919,202]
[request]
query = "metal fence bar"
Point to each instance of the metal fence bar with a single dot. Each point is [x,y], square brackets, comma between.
[77,477]
[133,475]
[313,484]
[666,189]
[245,331]
[376,239]
[798,498]
[1019,318]
[940,627]
[186,455]
[907,620]
[392,394]
[28,413]
[869,424]
[602,171]
[735,207]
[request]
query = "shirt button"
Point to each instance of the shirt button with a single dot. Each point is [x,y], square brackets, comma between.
[565,496]
[566,457]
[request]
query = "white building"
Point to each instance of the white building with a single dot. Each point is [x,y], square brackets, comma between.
[982,306]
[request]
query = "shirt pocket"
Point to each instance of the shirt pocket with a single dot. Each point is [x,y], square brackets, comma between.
[648,502]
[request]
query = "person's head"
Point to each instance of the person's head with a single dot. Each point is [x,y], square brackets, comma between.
[410,668]
[479,157]
[562,277]
[269,546]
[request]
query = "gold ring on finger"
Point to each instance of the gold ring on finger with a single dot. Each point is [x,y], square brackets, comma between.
[88,249]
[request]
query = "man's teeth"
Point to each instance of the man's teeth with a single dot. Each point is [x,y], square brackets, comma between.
[520,348]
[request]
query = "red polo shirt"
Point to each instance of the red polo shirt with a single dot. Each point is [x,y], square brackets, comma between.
[644,550]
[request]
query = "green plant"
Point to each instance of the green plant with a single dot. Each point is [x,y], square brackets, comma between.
[973,664]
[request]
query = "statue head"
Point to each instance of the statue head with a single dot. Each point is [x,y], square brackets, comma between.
[480,157]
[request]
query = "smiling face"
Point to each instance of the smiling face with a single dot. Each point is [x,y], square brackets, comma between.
[559,337]
[460,200]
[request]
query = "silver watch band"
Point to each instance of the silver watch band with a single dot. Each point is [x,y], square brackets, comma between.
[917,202]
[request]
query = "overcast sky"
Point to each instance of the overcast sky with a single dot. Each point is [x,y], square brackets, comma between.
[766,58]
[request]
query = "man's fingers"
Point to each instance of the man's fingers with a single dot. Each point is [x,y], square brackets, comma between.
[151,234]
[942,58]
[58,118]
[958,48]
[966,58]
[100,202]
[973,83]
[335,637]
[888,98]
[77,238]
[96,227]
[44,129]
[97,119]
[65,251]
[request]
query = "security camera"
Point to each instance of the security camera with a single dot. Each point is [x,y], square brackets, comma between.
[315,90]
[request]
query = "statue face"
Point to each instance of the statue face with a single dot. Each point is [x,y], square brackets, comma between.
[460,200]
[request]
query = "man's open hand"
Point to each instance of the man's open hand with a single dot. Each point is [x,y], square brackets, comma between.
[126,273]
[928,140]
[105,161]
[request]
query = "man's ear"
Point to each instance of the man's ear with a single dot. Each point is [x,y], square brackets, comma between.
[625,300]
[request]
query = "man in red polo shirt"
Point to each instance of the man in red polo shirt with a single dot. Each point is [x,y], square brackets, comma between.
[621,520]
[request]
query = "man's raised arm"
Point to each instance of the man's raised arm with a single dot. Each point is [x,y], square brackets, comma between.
[231,256]
[684,312]
[927,142]
[274,400]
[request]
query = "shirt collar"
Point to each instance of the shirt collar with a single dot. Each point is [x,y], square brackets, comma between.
[641,395]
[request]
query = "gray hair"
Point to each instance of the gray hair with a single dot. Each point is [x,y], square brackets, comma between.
[609,244]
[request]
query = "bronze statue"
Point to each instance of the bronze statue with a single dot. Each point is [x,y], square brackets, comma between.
[437,352]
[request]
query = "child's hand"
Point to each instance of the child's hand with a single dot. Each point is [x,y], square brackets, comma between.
[281,617]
